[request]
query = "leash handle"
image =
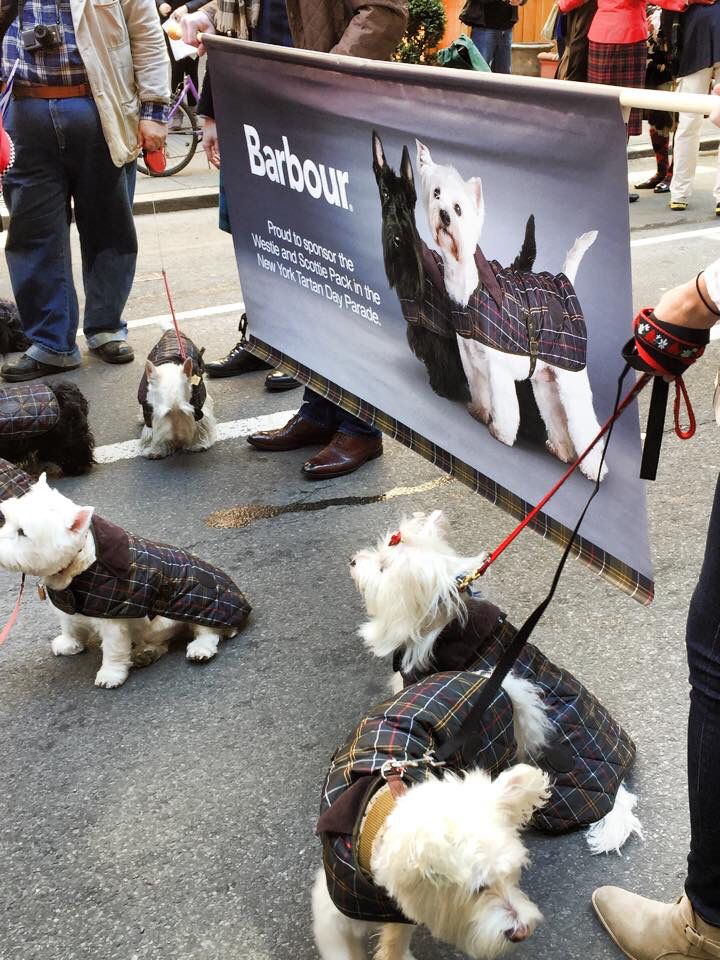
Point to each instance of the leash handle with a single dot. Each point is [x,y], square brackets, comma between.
[504,665]
[619,408]
[14,615]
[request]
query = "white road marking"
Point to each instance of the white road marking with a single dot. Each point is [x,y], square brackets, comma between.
[129,449]
[703,233]
[163,319]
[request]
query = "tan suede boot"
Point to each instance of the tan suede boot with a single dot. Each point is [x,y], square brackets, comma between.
[648,930]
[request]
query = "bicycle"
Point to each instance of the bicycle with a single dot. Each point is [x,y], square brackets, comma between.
[183,136]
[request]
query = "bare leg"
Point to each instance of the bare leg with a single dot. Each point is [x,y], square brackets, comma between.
[475,365]
[505,408]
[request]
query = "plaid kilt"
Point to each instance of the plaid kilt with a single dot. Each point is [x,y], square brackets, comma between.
[14,482]
[27,409]
[134,578]
[534,313]
[620,65]
[167,350]
[405,726]
[597,749]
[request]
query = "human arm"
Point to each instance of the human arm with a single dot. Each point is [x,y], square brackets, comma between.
[374,30]
[689,304]
[150,65]
[192,24]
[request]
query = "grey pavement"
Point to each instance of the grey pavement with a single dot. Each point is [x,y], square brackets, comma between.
[172,819]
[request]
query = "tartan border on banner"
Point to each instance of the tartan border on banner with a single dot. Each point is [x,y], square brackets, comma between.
[619,574]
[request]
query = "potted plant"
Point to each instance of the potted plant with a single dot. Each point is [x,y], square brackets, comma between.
[426,26]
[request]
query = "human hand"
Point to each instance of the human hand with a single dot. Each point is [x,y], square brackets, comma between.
[180,12]
[194,23]
[715,113]
[210,142]
[151,135]
[165,9]
[514,3]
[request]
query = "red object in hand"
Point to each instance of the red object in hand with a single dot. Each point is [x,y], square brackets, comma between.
[7,153]
[154,160]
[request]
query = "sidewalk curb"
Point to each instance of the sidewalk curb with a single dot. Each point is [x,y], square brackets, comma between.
[637,153]
[157,203]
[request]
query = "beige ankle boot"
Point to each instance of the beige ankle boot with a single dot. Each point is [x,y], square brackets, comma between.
[647,930]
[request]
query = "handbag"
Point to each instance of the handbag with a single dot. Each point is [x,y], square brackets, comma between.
[463,55]
[548,30]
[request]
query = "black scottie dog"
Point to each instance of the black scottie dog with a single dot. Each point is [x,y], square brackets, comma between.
[42,425]
[405,273]
[12,338]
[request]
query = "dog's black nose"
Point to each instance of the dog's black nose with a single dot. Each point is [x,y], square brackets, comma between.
[351,562]
[445,217]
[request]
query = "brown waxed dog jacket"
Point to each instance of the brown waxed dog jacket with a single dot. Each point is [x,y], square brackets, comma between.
[27,409]
[167,350]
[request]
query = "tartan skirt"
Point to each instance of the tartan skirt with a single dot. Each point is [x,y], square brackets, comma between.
[620,65]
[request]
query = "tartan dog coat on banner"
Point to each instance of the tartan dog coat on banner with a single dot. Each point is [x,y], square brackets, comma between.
[167,350]
[591,755]
[536,315]
[420,718]
[27,409]
[134,578]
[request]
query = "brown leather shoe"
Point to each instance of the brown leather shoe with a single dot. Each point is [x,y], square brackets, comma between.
[296,433]
[342,455]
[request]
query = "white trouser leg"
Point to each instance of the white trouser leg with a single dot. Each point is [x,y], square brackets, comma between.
[687,137]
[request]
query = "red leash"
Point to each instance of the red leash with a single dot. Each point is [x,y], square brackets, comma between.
[629,397]
[181,344]
[14,615]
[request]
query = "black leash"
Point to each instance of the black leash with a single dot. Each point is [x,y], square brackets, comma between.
[470,735]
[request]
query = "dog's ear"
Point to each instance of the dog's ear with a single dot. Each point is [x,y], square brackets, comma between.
[407,171]
[187,367]
[522,789]
[150,369]
[379,161]
[475,184]
[423,155]
[81,520]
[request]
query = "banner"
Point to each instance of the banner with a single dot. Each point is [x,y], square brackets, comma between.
[447,255]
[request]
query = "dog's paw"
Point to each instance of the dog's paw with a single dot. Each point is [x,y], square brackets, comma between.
[111,677]
[63,646]
[202,648]
[591,465]
[480,413]
[504,436]
[564,451]
[146,656]
[156,453]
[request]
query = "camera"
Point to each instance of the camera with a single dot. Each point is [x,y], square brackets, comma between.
[41,37]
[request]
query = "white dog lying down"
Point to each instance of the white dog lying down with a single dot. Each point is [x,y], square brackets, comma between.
[455,210]
[447,853]
[133,594]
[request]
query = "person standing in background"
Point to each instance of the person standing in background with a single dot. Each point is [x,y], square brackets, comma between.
[188,66]
[574,61]
[491,23]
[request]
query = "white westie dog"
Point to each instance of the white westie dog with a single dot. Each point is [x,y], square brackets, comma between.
[177,409]
[132,594]
[455,210]
[418,614]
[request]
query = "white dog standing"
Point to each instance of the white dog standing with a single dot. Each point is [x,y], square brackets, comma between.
[455,211]
[133,594]
[177,409]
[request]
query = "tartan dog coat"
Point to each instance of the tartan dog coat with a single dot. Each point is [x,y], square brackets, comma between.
[536,315]
[14,482]
[420,718]
[591,754]
[27,409]
[167,350]
[587,762]
[134,578]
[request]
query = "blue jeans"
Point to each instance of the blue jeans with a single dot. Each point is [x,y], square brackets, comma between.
[326,414]
[703,648]
[61,155]
[495,46]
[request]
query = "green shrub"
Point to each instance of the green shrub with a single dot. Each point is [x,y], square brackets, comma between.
[426,26]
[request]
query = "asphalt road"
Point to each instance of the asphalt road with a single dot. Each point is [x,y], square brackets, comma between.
[173,819]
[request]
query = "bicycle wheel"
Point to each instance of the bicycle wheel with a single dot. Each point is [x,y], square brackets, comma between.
[181,144]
